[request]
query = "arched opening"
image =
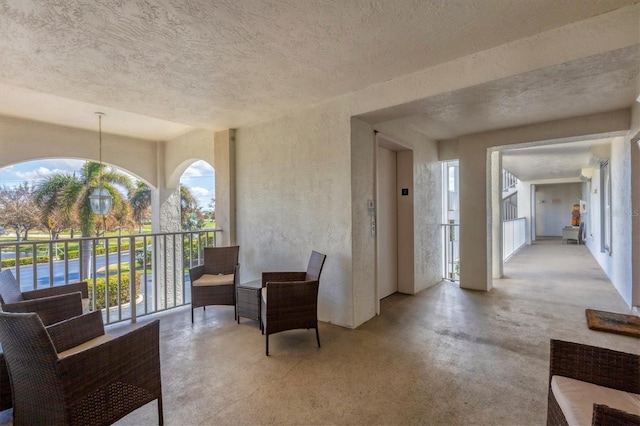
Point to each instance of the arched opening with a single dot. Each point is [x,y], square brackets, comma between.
[197,196]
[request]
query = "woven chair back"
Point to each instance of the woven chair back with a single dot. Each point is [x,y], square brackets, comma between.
[31,360]
[220,260]
[314,269]
[9,288]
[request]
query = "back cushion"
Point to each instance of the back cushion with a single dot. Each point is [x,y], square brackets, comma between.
[9,288]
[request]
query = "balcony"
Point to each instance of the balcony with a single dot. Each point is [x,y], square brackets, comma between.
[158,284]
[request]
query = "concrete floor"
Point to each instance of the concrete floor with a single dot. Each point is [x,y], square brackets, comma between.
[444,356]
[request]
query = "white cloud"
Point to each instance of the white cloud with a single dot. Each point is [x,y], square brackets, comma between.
[201,192]
[40,173]
[198,169]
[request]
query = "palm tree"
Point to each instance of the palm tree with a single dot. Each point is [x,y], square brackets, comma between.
[71,192]
[140,200]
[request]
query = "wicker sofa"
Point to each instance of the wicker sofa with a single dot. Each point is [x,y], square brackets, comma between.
[72,372]
[215,281]
[289,300]
[52,304]
[592,385]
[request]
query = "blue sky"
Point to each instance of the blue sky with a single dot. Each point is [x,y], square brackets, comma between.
[199,177]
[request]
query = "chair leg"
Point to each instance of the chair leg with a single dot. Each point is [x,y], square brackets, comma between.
[160,412]
[267,350]
[318,336]
[191,314]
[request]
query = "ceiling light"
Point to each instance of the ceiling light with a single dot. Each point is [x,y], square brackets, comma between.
[100,198]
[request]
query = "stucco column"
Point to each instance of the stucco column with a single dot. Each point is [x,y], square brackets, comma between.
[225,165]
[167,263]
[475,269]
[635,220]
[165,217]
[496,213]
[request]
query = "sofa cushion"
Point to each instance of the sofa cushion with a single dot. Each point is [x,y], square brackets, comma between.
[209,280]
[576,399]
[86,345]
[264,295]
[9,288]
[86,305]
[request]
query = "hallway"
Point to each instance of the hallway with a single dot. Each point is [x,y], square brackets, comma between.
[444,356]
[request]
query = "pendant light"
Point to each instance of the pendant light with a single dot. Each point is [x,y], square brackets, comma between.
[100,198]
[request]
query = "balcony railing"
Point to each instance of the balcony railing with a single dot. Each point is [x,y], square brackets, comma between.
[451,258]
[513,236]
[152,267]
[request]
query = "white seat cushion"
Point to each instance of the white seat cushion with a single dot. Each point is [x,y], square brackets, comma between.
[86,345]
[264,295]
[208,280]
[576,399]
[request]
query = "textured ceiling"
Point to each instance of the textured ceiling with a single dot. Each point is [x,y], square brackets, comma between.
[228,63]
[586,86]
[558,162]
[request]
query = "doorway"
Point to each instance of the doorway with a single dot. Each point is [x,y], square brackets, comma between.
[387,223]
[394,207]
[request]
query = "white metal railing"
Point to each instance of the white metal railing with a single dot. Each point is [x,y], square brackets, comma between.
[158,264]
[510,208]
[513,236]
[451,258]
[508,180]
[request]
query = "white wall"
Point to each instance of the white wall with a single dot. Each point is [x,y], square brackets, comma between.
[524,207]
[617,264]
[293,196]
[634,142]
[554,204]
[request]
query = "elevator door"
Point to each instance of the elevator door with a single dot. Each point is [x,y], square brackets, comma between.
[387,223]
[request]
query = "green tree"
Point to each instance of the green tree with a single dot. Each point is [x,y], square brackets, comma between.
[71,192]
[188,205]
[121,216]
[140,200]
[18,210]
[195,220]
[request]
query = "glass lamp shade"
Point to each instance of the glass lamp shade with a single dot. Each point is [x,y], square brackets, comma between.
[100,200]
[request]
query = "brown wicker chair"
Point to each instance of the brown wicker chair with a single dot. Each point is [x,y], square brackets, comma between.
[290,299]
[71,373]
[600,366]
[214,282]
[52,304]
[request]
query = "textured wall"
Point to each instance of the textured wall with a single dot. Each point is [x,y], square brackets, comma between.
[293,196]
[225,165]
[183,151]
[24,140]
[617,266]
[634,136]
[363,148]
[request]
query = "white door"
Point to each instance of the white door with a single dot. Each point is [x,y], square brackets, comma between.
[387,224]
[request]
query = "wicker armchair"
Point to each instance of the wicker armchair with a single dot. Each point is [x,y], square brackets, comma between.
[290,299]
[214,282]
[72,373]
[52,304]
[600,366]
